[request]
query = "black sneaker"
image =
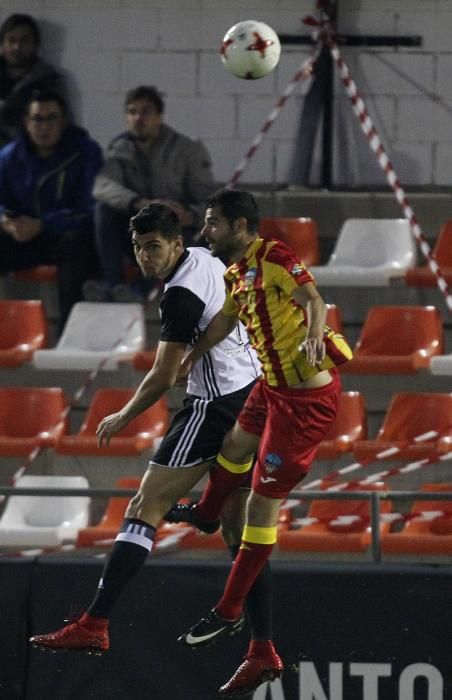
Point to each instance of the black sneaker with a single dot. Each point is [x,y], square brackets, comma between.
[207,630]
[186,513]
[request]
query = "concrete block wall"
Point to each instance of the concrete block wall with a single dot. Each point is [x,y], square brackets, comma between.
[108,46]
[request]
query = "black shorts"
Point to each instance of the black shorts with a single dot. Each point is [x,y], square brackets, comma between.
[198,429]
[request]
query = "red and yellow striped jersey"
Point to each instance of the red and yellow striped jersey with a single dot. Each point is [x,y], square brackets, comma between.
[259,292]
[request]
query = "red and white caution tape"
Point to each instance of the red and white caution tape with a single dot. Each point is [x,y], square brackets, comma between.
[382,454]
[395,471]
[385,164]
[304,71]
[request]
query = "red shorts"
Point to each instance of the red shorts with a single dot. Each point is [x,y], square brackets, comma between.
[291,423]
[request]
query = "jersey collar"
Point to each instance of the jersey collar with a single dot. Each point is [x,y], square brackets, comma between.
[179,263]
[250,251]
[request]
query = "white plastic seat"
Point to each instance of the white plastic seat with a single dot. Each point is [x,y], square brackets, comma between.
[94,331]
[441,364]
[369,252]
[44,521]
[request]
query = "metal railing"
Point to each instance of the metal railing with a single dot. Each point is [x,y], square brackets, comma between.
[375,498]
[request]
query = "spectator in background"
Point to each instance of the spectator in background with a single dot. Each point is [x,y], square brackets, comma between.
[21,72]
[150,162]
[46,204]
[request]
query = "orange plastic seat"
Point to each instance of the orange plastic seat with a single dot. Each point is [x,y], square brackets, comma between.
[23,330]
[144,360]
[423,276]
[30,417]
[424,536]
[299,233]
[139,435]
[331,536]
[107,529]
[409,415]
[334,318]
[397,340]
[40,273]
[350,425]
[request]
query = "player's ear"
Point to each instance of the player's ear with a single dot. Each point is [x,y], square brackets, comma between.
[239,225]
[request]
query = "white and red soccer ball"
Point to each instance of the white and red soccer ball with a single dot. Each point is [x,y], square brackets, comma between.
[250,49]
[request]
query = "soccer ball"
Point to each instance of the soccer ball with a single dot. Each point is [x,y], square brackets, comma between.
[250,49]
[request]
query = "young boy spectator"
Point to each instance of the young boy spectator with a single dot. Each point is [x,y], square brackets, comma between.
[147,163]
[22,72]
[46,204]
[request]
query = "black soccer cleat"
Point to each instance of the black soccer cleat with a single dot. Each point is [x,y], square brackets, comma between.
[209,629]
[186,513]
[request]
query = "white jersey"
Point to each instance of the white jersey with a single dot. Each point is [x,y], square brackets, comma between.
[193,294]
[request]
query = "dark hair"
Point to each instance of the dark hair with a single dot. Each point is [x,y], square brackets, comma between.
[234,204]
[18,20]
[146,92]
[46,96]
[156,218]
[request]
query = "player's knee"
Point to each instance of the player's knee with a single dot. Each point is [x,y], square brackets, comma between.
[262,511]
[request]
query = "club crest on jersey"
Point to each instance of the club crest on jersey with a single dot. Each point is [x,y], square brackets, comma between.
[250,276]
[272,462]
[297,269]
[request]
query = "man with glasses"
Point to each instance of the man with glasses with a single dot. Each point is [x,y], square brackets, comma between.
[150,162]
[46,206]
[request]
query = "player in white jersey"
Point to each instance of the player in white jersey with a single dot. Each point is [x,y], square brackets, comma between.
[217,388]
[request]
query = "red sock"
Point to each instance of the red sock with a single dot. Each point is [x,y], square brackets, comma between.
[93,623]
[246,568]
[219,487]
[262,649]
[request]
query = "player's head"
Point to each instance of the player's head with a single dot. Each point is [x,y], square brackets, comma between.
[144,107]
[231,222]
[157,240]
[19,40]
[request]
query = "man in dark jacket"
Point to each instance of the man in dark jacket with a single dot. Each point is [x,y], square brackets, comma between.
[150,162]
[46,206]
[22,72]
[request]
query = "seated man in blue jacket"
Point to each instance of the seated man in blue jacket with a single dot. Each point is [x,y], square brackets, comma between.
[46,206]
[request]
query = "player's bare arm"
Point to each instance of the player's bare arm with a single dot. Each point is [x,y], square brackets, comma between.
[309,297]
[161,377]
[217,330]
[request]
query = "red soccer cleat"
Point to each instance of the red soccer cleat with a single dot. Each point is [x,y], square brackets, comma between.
[251,674]
[74,636]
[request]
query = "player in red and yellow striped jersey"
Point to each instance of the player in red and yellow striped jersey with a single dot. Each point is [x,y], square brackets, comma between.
[286,415]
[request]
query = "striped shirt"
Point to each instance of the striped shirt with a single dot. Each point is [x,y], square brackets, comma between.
[193,294]
[259,292]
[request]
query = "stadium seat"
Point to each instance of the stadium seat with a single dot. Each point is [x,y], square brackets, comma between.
[350,425]
[397,340]
[334,318]
[96,333]
[137,436]
[369,253]
[107,529]
[30,417]
[143,361]
[44,521]
[39,274]
[441,364]
[299,233]
[330,535]
[23,331]
[411,414]
[433,536]
[442,250]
